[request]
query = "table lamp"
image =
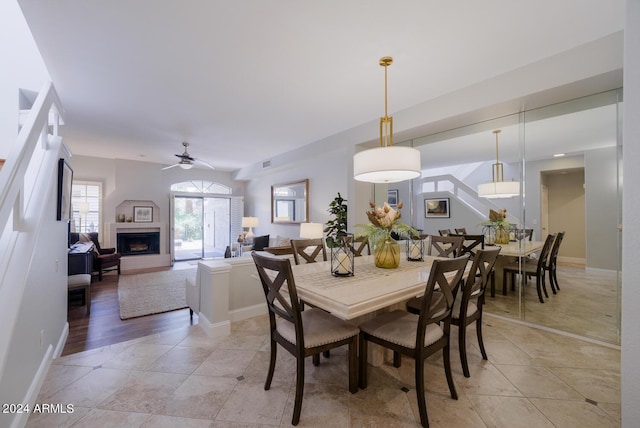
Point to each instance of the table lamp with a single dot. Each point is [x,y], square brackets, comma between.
[249,222]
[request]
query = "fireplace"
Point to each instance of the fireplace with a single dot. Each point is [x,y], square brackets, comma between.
[138,243]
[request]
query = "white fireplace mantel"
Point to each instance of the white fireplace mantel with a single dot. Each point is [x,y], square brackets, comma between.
[146,260]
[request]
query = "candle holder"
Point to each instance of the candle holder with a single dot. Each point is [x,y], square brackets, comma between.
[415,249]
[342,257]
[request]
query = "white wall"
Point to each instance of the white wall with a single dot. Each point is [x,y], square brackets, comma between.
[328,174]
[22,68]
[630,375]
[133,180]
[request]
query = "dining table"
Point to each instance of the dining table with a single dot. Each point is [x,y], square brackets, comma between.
[508,252]
[367,291]
[370,291]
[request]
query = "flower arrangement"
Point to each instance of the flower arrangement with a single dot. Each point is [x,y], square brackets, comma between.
[497,219]
[498,222]
[384,221]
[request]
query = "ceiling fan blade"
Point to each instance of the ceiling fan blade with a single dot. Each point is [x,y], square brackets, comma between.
[204,163]
[170,166]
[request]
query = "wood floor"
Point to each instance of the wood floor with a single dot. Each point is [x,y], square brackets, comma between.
[104,326]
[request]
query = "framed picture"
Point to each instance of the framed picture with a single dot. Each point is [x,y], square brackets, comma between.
[65,180]
[143,214]
[436,208]
[392,197]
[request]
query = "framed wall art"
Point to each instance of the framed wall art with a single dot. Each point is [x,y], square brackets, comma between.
[436,208]
[143,214]
[392,198]
[65,181]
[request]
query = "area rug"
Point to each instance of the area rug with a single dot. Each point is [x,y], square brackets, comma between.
[152,292]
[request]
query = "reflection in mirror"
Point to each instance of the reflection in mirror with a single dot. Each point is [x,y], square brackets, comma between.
[290,202]
[569,157]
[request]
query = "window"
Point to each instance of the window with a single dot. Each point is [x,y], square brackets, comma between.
[86,200]
[201,186]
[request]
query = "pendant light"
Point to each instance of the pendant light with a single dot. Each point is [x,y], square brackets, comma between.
[498,188]
[387,163]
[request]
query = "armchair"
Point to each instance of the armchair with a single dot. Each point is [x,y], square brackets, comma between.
[104,259]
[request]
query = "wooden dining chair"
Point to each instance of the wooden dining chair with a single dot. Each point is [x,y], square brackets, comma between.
[461,230]
[302,333]
[308,250]
[444,232]
[444,246]
[469,302]
[552,262]
[533,268]
[470,243]
[419,336]
[359,245]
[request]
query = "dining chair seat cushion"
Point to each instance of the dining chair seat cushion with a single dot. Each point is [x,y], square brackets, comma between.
[320,328]
[471,308]
[400,327]
[526,267]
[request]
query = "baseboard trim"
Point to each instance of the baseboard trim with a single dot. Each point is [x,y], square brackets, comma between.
[62,341]
[34,389]
[248,312]
[214,330]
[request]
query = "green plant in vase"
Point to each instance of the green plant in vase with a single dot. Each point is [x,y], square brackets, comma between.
[336,228]
[384,221]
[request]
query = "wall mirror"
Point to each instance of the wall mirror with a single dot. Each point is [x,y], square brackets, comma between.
[290,202]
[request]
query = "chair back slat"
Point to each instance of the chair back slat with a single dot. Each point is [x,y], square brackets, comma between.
[476,283]
[469,242]
[553,255]
[358,245]
[446,276]
[444,232]
[461,230]
[445,246]
[307,250]
[276,278]
[546,249]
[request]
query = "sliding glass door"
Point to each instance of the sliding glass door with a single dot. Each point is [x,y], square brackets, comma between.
[201,227]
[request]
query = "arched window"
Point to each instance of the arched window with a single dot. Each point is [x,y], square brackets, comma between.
[201,186]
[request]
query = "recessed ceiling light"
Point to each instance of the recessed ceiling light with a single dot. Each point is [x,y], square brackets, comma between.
[558,155]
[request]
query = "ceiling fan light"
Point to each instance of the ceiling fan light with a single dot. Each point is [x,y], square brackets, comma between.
[186,165]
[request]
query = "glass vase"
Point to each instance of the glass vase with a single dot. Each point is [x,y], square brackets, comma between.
[386,255]
[502,235]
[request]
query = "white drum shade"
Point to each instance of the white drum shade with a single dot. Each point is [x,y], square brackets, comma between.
[499,189]
[389,164]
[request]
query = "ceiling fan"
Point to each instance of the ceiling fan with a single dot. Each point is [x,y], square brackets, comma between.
[186,161]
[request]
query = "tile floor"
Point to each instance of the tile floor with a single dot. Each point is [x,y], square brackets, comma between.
[533,378]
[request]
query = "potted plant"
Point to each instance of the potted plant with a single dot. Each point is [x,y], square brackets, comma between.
[499,226]
[338,240]
[336,228]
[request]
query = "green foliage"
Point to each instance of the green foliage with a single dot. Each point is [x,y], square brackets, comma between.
[336,226]
[377,234]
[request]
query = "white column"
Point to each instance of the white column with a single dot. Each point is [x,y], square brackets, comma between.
[214,297]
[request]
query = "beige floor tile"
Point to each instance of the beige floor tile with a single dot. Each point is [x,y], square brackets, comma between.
[58,377]
[381,406]
[285,371]
[199,397]
[111,419]
[570,414]
[322,405]
[444,411]
[144,392]
[612,409]
[596,385]
[250,403]
[539,382]
[508,412]
[58,420]
[226,362]
[92,389]
[172,337]
[181,359]
[139,356]
[487,380]
[244,341]
[161,421]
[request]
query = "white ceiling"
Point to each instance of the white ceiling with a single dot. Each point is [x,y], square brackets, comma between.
[243,81]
